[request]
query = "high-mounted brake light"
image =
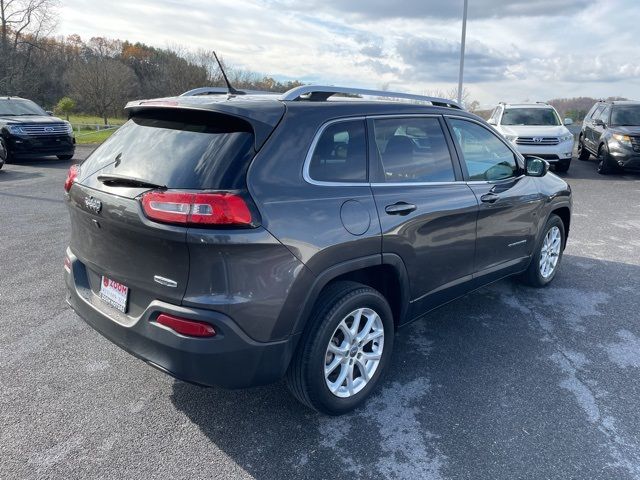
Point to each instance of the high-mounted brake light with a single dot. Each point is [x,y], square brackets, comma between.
[72,174]
[196,208]
[191,328]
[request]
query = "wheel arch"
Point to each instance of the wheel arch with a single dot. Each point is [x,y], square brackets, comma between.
[385,273]
[565,215]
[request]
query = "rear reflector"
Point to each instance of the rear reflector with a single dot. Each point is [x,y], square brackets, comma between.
[67,264]
[183,326]
[196,208]
[72,174]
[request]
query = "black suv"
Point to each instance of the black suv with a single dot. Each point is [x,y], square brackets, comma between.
[611,132]
[27,131]
[232,240]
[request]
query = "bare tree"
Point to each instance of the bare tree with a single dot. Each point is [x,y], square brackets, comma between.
[103,84]
[22,25]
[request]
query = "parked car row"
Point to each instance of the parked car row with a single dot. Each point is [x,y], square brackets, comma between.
[610,132]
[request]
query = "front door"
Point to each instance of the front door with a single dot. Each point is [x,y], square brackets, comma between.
[426,210]
[508,201]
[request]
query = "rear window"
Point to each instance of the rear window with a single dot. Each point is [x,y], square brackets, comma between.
[179,149]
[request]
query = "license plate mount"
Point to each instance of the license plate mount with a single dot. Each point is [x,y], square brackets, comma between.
[114,294]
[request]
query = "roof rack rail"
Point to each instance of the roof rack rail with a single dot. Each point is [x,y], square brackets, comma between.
[322,93]
[222,91]
[543,103]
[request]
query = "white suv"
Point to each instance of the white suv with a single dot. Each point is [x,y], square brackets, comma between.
[536,129]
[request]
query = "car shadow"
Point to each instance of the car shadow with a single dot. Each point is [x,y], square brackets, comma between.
[8,175]
[587,170]
[465,382]
[46,162]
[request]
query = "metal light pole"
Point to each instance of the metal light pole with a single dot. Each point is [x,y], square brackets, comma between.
[462,43]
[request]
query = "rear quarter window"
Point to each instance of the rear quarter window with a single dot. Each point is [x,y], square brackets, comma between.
[179,149]
[340,153]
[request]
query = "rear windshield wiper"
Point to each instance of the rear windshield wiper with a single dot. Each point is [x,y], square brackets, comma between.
[124,181]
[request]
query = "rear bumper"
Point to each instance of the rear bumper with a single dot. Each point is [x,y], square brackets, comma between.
[23,146]
[230,359]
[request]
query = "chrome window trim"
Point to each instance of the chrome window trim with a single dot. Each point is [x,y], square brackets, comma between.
[307,161]
[418,184]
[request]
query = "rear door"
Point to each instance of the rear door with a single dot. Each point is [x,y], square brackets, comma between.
[110,233]
[427,213]
[508,201]
[589,133]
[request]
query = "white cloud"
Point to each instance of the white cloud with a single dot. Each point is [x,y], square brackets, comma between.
[535,49]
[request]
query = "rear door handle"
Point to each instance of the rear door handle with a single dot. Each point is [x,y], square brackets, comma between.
[400,208]
[489,197]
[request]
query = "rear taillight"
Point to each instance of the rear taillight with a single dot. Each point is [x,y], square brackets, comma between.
[183,326]
[197,208]
[72,174]
[67,264]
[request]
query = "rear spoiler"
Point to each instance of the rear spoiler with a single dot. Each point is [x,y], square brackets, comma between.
[262,116]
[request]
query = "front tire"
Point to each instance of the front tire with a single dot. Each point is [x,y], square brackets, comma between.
[583,153]
[548,254]
[563,167]
[4,152]
[605,167]
[344,350]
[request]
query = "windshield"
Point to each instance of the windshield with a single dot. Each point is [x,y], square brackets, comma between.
[19,107]
[530,116]
[627,115]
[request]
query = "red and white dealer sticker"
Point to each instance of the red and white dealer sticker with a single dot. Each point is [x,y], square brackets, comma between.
[114,293]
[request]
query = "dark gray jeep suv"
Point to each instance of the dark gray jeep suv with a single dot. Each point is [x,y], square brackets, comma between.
[233,240]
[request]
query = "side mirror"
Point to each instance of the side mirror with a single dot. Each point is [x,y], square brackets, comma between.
[535,167]
[568,121]
[598,123]
[50,113]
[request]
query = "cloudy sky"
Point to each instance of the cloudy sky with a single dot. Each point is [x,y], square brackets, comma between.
[516,50]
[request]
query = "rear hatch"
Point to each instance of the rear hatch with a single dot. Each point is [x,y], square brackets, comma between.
[157,153]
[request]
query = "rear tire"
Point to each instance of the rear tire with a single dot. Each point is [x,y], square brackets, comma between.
[583,153]
[548,254]
[65,157]
[335,368]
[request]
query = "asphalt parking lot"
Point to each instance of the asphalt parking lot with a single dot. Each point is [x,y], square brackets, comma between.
[509,382]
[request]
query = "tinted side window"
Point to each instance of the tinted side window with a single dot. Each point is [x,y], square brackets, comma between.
[413,150]
[495,114]
[596,113]
[340,154]
[486,156]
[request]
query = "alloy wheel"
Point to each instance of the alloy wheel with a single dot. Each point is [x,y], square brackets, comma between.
[550,253]
[354,352]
